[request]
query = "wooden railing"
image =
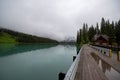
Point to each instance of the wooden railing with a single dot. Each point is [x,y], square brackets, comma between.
[72,70]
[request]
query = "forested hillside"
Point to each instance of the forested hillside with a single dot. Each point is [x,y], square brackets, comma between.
[10,36]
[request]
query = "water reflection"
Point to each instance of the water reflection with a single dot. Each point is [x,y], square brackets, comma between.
[35,62]
[9,49]
[110,72]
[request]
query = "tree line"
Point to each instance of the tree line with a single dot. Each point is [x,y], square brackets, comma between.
[111,29]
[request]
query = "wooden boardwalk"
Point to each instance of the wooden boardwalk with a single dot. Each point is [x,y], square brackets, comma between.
[112,61]
[87,67]
[91,64]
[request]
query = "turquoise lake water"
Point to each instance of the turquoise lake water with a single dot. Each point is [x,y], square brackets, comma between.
[34,61]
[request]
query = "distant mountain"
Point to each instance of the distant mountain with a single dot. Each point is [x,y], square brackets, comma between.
[10,36]
[69,40]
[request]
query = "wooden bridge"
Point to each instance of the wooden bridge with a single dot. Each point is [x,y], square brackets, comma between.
[92,63]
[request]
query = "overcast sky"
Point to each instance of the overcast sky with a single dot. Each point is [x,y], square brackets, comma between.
[56,19]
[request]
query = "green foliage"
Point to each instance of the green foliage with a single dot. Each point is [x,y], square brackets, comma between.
[97,29]
[91,33]
[117,32]
[103,28]
[85,33]
[78,38]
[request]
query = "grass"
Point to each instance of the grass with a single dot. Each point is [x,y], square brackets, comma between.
[6,38]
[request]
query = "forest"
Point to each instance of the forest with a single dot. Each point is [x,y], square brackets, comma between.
[10,36]
[111,29]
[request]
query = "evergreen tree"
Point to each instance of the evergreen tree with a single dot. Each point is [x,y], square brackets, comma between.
[97,29]
[84,33]
[117,32]
[78,38]
[80,35]
[103,26]
[91,33]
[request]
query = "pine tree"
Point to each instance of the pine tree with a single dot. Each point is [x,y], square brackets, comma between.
[84,33]
[103,26]
[117,32]
[78,38]
[97,29]
[91,33]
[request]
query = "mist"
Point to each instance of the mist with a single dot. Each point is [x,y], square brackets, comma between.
[55,19]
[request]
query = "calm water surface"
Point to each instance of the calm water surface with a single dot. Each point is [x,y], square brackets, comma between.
[34,62]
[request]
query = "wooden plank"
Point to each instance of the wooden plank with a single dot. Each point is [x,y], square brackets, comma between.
[87,67]
[110,60]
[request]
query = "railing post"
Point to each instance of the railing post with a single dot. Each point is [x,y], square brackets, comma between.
[74,57]
[110,53]
[118,55]
[61,76]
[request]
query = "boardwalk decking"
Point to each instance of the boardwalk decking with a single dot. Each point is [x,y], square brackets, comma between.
[109,60]
[94,63]
[87,67]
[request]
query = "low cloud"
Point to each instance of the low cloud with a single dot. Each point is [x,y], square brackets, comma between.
[56,19]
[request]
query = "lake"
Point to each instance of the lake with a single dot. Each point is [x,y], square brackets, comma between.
[34,61]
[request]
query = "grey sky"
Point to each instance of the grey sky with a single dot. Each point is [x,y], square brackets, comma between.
[56,19]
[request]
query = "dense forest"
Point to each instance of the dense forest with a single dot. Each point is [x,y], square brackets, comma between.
[111,29]
[10,36]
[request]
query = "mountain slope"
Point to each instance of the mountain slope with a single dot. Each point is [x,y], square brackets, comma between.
[7,36]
